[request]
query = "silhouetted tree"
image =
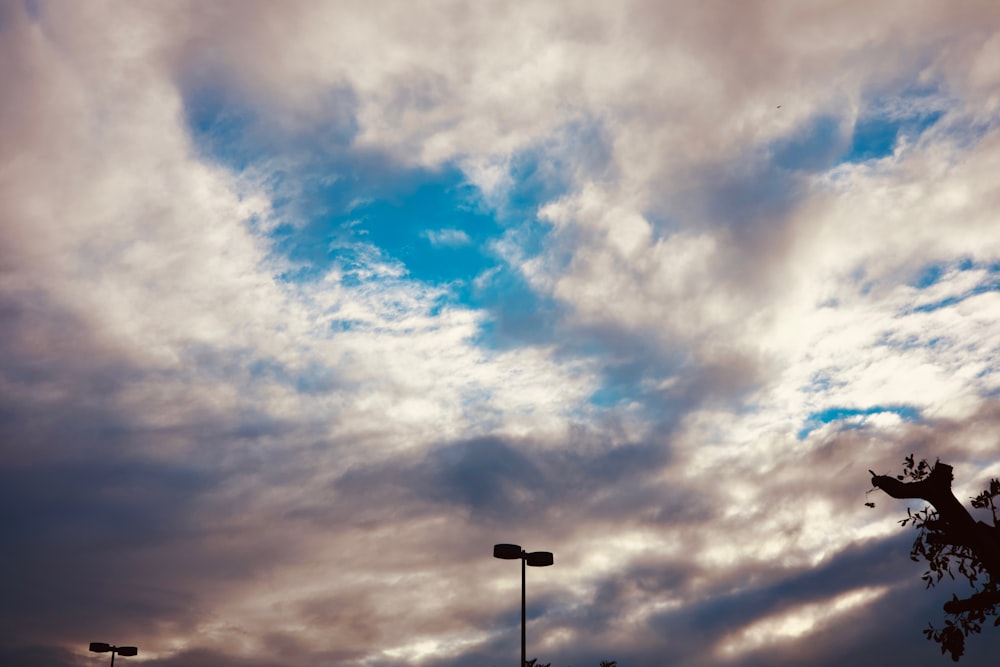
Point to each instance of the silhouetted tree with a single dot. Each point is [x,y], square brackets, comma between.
[950,540]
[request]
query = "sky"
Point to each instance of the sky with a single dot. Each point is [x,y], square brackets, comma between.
[304,306]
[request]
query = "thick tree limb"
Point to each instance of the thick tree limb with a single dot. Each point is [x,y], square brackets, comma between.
[977,602]
[958,525]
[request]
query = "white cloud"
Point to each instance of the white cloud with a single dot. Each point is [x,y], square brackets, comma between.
[452,238]
[741,298]
[798,622]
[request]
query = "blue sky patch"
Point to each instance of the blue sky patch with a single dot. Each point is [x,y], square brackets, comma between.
[220,129]
[933,274]
[929,276]
[229,128]
[343,206]
[817,419]
[607,397]
[992,285]
[435,229]
[872,138]
[812,148]
[913,342]
[875,137]
[879,129]
[825,141]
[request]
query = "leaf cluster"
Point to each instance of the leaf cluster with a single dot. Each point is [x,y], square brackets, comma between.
[952,636]
[943,557]
[915,471]
[986,499]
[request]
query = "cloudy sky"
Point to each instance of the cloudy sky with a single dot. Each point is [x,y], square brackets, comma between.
[305,305]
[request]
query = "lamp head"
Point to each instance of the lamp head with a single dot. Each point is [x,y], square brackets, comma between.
[539,558]
[507,551]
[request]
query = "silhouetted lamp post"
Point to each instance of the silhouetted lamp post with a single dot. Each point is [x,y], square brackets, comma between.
[101,647]
[534,559]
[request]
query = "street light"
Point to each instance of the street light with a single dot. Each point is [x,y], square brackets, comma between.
[534,559]
[101,647]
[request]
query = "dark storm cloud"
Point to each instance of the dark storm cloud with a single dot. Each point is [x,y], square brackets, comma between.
[500,481]
[205,658]
[82,540]
[487,477]
[877,562]
[16,656]
[101,532]
[112,541]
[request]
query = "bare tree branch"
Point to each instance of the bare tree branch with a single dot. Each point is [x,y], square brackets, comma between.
[978,602]
[959,527]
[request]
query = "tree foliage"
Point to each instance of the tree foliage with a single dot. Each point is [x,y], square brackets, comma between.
[951,542]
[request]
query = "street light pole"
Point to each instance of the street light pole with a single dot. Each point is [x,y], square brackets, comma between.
[524,657]
[101,647]
[534,559]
